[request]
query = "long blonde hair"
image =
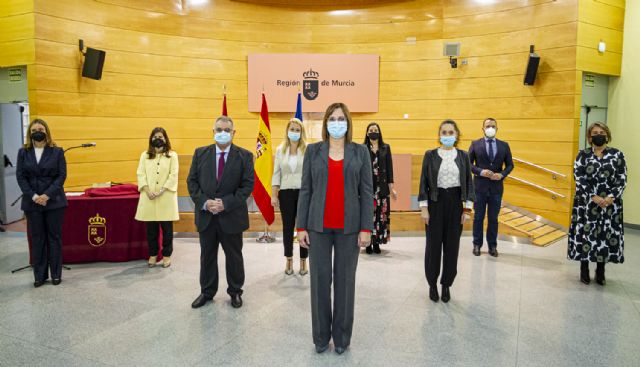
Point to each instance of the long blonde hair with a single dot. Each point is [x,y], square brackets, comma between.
[286,143]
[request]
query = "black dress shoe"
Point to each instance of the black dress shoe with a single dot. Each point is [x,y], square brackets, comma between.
[376,249]
[493,252]
[200,301]
[445,294]
[433,294]
[584,272]
[340,350]
[38,283]
[321,348]
[369,250]
[56,281]
[236,301]
[476,250]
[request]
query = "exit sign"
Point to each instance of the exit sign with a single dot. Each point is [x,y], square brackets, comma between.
[15,75]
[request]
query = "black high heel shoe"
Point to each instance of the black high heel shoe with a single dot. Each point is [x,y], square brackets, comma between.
[600,274]
[584,272]
[433,294]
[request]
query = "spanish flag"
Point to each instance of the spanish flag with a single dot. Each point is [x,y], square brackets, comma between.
[224,105]
[264,165]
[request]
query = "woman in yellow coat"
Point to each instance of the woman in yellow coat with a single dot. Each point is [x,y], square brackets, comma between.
[158,186]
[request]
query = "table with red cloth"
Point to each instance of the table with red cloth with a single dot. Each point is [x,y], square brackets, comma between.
[99,225]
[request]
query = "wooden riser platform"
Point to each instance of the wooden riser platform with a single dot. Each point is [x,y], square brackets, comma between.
[510,223]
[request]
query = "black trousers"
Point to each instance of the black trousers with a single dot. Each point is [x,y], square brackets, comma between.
[153,231]
[443,237]
[210,238]
[288,209]
[45,229]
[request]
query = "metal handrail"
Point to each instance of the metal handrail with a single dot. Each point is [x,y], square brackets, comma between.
[553,173]
[553,193]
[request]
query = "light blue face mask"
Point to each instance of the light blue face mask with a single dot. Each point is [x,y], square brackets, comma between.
[337,129]
[223,137]
[448,141]
[293,136]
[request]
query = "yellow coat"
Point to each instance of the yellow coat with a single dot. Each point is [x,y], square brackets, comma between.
[160,172]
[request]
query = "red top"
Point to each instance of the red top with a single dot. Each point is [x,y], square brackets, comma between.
[334,199]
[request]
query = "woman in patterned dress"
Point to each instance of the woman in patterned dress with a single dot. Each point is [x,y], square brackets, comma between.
[382,164]
[596,233]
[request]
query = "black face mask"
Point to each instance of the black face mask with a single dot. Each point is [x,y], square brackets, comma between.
[374,136]
[38,136]
[157,143]
[599,140]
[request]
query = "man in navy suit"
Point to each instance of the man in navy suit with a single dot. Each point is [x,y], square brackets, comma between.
[491,163]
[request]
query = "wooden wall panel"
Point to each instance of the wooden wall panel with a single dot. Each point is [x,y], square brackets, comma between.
[167,63]
[16,33]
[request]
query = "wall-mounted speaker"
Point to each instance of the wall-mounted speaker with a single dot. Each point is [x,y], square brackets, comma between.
[532,68]
[93,63]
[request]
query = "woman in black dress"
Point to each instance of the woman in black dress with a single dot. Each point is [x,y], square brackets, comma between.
[596,233]
[382,164]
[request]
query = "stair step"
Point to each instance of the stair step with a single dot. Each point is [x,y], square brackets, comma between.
[530,226]
[518,221]
[549,238]
[539,232]
[505,210]
[509,216]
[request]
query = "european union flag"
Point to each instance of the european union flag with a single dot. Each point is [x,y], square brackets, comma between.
[299,108]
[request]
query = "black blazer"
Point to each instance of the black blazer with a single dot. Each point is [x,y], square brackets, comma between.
[502,163]
[46,177]
[234,189]
[358,193]
[429,176]
[385,166]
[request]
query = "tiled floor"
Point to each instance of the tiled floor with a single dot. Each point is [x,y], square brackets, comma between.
[526,308]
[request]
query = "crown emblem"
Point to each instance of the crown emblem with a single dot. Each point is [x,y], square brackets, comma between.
[97,220]
[311,74]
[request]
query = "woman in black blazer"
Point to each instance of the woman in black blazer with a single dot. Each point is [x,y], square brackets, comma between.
[41,172]
[446,198]
[382,170]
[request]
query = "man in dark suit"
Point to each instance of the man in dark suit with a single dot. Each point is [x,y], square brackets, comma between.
[491,163]
[220,182]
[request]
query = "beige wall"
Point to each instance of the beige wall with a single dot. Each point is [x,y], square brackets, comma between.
[167,62]
[624,111]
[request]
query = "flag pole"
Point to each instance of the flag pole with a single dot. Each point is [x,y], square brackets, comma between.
[266,236]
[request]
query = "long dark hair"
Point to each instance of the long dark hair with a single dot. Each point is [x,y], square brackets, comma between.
[367,141]
[151,151]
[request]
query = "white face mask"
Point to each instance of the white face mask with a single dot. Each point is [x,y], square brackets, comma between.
[490,132]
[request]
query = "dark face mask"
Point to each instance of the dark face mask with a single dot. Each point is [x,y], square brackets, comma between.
[157,143]
[38,136]
[599,140]
[374,136]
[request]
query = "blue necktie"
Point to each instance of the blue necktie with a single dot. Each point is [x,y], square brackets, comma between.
[492,153]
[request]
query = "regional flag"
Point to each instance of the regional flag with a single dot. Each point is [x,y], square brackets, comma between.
[263,167]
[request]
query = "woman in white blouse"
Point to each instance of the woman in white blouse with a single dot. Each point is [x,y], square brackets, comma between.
[285,187]
[158,186]
[446,198]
